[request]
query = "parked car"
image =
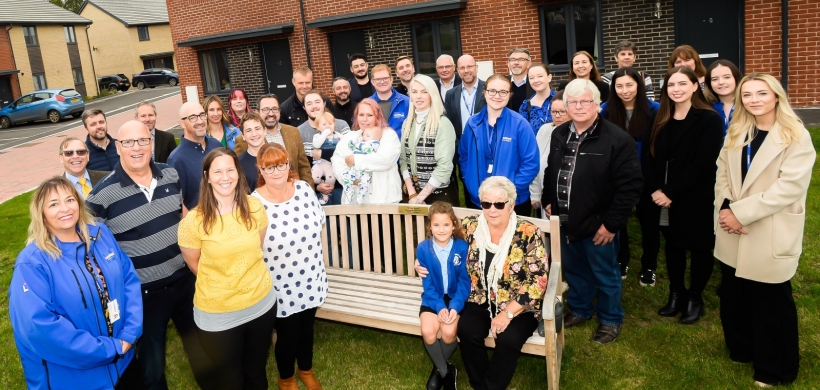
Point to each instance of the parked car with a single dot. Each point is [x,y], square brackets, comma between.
[50,104]
[114,82]
[155,76]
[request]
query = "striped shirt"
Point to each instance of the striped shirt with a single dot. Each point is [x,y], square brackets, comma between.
[145,230]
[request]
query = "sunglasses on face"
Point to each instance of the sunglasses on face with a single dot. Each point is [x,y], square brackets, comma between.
[498,205]
[70,153]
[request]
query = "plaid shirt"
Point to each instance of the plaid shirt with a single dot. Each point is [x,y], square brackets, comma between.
[276,137]
[564,189]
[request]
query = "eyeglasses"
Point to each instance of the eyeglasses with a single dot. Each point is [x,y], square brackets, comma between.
[518,59]
[193,118]
[382,80]
[583,103]
[497,205]
[443,67]
[127,143]
[493,92]
[558,113]
[70,153]
[273,168]
[266,110]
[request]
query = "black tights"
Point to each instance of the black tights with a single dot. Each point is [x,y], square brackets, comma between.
[702,264]
[294,342]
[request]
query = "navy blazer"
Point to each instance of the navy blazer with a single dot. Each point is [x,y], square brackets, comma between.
[458,280]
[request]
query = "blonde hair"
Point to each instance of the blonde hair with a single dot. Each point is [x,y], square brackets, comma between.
[327,116]
[494,183]
[38,232]
[433,116]
[741,129]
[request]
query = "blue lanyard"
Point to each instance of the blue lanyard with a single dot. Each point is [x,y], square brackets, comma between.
[748,156]
[468,106]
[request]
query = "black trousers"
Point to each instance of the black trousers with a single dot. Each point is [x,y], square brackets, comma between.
[159,306]
[700,270]
[294,342]
[473,327]
[240,354]
[650,237]
[131,378]
[623,250]
[760,326]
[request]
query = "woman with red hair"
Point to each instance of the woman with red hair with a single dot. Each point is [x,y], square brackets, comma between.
[238,106]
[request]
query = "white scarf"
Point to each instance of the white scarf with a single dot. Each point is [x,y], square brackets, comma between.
[484,242]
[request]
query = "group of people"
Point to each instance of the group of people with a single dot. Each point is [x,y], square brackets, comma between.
[222,234]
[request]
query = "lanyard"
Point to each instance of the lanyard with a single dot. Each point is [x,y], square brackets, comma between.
[466,105]
[748,156]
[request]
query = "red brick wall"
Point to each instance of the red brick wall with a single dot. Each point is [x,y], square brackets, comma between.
[7,60]
[763,45]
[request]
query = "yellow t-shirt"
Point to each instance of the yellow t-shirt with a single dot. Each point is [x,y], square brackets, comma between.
[231,274]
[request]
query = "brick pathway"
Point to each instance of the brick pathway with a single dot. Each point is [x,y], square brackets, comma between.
[23,167]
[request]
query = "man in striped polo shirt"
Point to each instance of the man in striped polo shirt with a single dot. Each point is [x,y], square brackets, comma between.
[141,202]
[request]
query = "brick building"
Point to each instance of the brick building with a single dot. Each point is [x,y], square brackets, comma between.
[220,45]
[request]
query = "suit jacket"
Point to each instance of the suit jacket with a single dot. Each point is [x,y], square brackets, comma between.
[295,148]
[164,144]
[456,82]
[356,93]
[452,107]
[95,176]
[770,204]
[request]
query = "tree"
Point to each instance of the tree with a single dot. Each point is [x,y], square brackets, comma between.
[71,5]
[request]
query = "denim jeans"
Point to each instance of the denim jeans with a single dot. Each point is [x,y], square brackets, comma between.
[589,270]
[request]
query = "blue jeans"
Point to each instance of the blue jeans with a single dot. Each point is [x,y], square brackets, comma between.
[591,269]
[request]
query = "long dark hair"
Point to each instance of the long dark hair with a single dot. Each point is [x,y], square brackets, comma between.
[208,206]
[594,74]
[732,68]
[667,109]
[440,207]
[616,111]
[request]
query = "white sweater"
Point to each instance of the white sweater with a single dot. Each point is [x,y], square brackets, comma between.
[386,184]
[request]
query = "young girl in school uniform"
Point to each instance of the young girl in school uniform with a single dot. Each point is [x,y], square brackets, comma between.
[444,254]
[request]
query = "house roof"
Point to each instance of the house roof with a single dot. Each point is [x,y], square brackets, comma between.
[132,13]
[422,7]
[37,12]
[275,29]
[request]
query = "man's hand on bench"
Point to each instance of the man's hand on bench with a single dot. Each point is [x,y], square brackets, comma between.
[421,270]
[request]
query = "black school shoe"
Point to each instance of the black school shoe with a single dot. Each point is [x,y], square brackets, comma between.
[624,269]
[647,278]
[450,378]
[435,382]
[606,334]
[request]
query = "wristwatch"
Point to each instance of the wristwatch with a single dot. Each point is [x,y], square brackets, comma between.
[510,315]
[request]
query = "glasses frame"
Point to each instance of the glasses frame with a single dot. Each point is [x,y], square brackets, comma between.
[266,110]
[70,153]
[497,205]
[196,117]
[582,103]
[492,92]
[269,170]
[129,143]
[559,112]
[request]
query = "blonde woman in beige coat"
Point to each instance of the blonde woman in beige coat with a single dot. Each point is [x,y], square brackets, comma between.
[763,175]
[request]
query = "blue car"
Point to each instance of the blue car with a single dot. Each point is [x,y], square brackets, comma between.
[50,104]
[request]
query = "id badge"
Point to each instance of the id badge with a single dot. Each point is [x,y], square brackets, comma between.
[113,311]
[490,169]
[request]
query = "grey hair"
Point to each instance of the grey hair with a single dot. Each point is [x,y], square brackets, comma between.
[144,103]
[494,183]
[448,57]
[578,87]
[333,85]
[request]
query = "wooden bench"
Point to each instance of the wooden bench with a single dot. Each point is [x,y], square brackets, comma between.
[369,253]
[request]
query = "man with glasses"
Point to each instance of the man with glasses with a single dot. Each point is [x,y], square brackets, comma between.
[519,61]
[447,77]
[592,182]
[140,203]
[74,157]
[164,143]
[102,154]
[394,105]
[292,112]
[464,101]
[405,72]
[360,86]
[187,158]
[285,135]
[343,108]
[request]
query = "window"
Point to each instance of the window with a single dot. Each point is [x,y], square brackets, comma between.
[433,38]
[568,28]
[42,96]
[69,34]
[39,81]
[162,62]
[78,75]
[215,75]
[30,34]
[142,31]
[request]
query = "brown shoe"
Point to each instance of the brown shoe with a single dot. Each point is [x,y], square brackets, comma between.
[571,320]
[606,334]
[288,384]
[308,379]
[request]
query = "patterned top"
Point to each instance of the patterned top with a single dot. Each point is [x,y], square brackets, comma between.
[537,116]
[525,269]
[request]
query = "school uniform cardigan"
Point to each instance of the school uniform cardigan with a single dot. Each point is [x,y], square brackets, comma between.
[458,281]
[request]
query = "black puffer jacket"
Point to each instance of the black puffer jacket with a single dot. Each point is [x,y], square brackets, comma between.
[606,184]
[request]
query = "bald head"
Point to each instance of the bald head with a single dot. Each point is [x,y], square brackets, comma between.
[133,129]
[134,147]
[194,130]
[467,70]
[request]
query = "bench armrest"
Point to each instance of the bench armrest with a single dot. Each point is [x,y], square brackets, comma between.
[548,306]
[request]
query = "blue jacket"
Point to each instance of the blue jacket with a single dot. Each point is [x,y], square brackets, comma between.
[516,155]
[718,106]
[58,324]
[458,280]
[100,159]
[231,132]
[398,111]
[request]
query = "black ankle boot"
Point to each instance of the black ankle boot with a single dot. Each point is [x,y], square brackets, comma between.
[694,309]
[676,303]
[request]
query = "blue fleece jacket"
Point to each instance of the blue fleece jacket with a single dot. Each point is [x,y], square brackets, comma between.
[514,154]
[458,280]
[58,322]
[398,111]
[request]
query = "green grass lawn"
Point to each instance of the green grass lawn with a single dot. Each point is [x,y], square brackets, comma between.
[652,353]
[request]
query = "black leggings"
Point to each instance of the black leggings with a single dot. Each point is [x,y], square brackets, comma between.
[702,264]
[294,342]
[240,354]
